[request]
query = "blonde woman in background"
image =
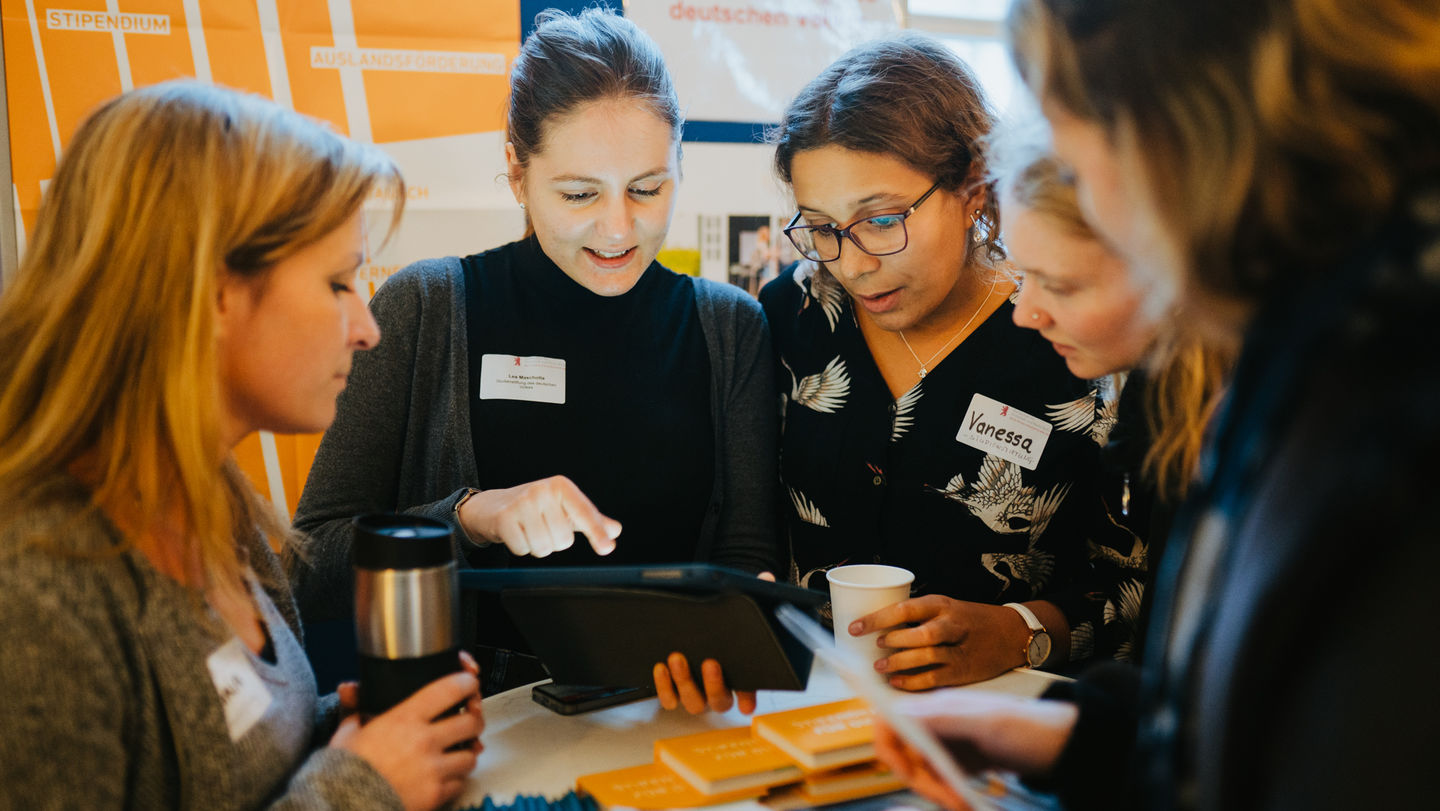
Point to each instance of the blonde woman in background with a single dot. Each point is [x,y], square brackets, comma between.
[1273,166]
[1163,385]
[190,280]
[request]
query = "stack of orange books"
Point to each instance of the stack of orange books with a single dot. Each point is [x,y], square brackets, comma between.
[652,787]
[822,737]
[804,757]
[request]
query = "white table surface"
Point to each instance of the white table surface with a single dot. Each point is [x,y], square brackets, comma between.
[532,750]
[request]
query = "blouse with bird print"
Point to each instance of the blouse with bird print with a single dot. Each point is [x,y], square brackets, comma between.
[876,479]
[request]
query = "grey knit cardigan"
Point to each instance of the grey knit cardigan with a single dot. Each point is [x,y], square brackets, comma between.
[402,440]
[105,697]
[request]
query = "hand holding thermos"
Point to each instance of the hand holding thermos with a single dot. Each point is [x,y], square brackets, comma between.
[418,701]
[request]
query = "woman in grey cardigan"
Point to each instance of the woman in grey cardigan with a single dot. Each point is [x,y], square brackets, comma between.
[151,656]
[565,385]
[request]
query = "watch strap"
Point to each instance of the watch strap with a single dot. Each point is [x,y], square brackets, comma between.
[455,511]
[1031,621]
[1037,629]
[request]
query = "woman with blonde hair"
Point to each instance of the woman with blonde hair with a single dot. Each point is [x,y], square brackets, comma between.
[1161,383]
[1273,166]
[190,280]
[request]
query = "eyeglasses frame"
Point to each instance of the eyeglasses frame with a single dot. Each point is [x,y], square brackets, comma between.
[843,234]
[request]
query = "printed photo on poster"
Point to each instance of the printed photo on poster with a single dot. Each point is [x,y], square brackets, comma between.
[753,256]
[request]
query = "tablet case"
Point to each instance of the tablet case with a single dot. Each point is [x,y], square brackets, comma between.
[610,625]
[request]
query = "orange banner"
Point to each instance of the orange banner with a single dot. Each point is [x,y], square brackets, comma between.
[395,74]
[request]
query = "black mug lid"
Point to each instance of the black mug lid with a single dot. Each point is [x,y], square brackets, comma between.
[393,541]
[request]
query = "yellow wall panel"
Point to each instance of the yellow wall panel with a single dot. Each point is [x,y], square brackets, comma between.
[408,105]
[32,155]
[159,58]
[237,52]
[454,59]
[305,24]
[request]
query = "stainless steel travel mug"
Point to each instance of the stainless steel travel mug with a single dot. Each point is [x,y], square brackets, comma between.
[406,607]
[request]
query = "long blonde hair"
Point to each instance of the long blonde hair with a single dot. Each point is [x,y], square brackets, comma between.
[1185,373]
[108,332]
[1270,136]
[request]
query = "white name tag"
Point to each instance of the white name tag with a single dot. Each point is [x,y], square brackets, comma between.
[533,379]
[1006,432]
[241,691]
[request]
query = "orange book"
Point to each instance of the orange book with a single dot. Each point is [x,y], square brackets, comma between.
[652,787]
[849,783]
[725,760]
[825,736]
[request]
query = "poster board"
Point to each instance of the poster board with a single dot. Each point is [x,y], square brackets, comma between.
[743,62]
[373,69]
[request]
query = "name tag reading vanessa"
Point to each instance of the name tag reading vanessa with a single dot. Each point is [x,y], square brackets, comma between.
[1001,430]
[532,379]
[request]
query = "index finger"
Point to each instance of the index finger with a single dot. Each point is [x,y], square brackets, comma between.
[716,693]
[439,695]
[892,751]
[692,697]
[349,696]
[915,609]
[599,529]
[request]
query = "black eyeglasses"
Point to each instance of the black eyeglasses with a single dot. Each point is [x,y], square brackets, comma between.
[880,235]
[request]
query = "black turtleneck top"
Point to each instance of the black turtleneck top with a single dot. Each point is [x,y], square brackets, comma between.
[634,431]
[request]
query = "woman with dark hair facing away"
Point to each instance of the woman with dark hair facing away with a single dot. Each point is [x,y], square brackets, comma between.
[643,399]
[1162,385]
[1273,166]
[918,427]
[151,652]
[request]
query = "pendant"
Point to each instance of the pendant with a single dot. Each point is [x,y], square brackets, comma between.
[922,372]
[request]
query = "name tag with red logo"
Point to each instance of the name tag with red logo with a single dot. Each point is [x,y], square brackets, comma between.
[513,377]
[1000,430]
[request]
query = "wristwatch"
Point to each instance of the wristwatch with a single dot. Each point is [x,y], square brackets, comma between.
[1037,650]
[455,512]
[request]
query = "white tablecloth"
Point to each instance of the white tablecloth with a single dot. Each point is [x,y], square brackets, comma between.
[532,750]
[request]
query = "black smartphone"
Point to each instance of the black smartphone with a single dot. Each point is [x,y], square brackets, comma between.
[570,699]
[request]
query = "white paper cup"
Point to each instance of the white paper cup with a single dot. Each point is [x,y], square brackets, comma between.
[861,589]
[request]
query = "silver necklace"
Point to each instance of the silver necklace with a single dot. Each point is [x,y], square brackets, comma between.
[925,364]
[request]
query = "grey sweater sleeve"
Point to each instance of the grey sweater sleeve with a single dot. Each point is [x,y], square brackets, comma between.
[65,689]
[400,440]
[336,779]
[745,410]
[80,688]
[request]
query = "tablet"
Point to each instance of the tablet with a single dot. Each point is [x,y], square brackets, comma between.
[610,625]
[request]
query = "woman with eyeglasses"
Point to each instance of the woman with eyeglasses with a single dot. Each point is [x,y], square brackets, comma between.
[922,428]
